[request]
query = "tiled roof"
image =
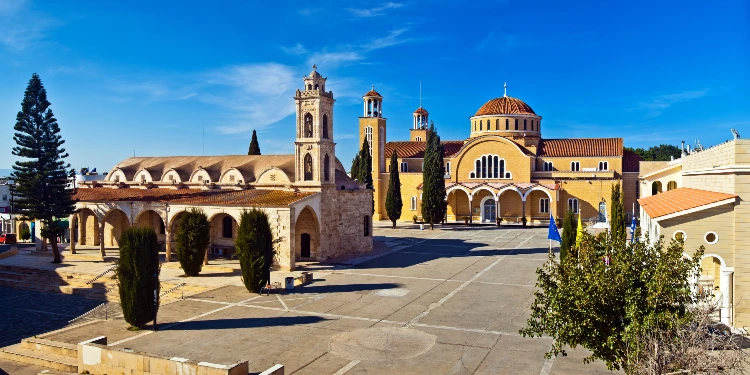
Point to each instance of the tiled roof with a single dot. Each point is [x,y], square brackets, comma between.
[373,93]
[581,147]
[681,199]
[422,111]
[253,197]
[523,186]
[411,149]
[505,106]
[630,161]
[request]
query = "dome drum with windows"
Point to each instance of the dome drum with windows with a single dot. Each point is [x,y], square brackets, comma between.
[508,117]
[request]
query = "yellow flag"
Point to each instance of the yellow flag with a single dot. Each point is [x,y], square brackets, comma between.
[579,232]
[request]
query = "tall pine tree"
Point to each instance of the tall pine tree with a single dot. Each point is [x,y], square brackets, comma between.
[433,180]
[42,191]
[393,202]
[254,146]
[617,215]
[568,235]
[355,167]
[365,165]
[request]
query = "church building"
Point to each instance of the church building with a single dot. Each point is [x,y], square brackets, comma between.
[316,211]
[505,169]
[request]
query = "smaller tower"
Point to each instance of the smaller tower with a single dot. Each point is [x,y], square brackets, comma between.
[419,128]
[372,129]
[373,104]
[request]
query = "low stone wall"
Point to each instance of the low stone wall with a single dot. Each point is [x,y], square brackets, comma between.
[96,357]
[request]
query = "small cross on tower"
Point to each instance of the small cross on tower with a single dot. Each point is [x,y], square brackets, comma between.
[505,89]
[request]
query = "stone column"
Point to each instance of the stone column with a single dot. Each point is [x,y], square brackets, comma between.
[72,231]
[725,285]
[471,212]
[101,238]
[523,210]
[205,257]
[168,247]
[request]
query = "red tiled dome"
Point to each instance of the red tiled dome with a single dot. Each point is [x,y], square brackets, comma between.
[505,106]
[373,93]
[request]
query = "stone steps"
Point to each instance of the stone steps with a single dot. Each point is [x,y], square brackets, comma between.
[49,346]
[41,358]
[9,282]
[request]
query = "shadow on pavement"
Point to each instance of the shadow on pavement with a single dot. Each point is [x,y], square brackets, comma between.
[197,325]
[343,288]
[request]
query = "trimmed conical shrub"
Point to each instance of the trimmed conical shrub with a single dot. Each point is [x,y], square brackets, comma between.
[138,275]
[254,248]
[192,237]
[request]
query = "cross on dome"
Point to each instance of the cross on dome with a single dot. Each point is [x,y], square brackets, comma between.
[315,67]
[505,89]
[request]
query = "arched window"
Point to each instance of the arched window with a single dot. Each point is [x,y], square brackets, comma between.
[413,205]
[309,86]
[326,167]
[575,166]
[475,126]
[656,187]
[524,124]
[544,205]
[497,124]
[671,185]
[603,166]
[366,223]
[418,139]
[516,124]
[448,168]
[226,227]
[480,125]
[404,166]
[547,166]
[573,205]
[508,175]
[308,126]
[488,166]
[308,167]
[325,126]
[507,124]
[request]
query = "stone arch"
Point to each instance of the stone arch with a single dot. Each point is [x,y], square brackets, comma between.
[88,227]
[200,175]
[307,235]
[308,168]
[459,157]
[537,188]
[510,208]
[325,125]
[117,176]
[307,125]
[671,185]
[143,177]
[20,226]
[152,219]
[224,229]
[175,176]
[656,187]
[488,208]
[232,176]
[115,223]
[480,188]
[273,175]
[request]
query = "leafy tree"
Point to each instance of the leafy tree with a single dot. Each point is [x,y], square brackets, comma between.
[192,237]
[365,165]
[138,275]
[355,167]
[657,153]
[570,225]
[25,233]
[617,214]
[254,248]
[254,146]
[393,202]
[42,182]
[433,179]
[609,308]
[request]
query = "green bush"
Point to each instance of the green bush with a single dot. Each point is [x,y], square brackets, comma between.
[25,233]
[193,236]
[254,248]
[568,235]
[138,275]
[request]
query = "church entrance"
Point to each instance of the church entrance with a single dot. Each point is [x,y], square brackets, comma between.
[489,214]
[602,212]
[305,251]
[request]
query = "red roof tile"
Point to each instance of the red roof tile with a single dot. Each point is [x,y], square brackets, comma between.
[681,199]
[373,93]
[252,197]
[412,149]
[505,106]
[581,147]
[422,111]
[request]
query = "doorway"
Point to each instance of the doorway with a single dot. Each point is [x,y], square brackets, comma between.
[305,250]
[602,212]
[489,210]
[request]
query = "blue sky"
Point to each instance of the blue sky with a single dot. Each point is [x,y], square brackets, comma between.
[149,77]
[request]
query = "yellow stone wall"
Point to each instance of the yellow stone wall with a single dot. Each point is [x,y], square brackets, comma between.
[516,161]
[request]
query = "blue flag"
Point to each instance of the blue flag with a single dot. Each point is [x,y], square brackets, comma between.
[553,234]
[632,230]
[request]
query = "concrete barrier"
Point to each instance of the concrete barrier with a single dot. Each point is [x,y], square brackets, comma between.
[275,370]
[96,357]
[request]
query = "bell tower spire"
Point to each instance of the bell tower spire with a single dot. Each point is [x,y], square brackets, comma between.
[315,151]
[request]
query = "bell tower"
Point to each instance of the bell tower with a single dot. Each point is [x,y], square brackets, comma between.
[372,129]
[418,132]
[315,154]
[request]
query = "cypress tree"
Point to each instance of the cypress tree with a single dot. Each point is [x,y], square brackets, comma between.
[393,202]
[138,275]
[254,146]
[254,248]
[617,214]
[568,235]
[42,181]
[433,180]
[365,165]
[192,236]
[355,167]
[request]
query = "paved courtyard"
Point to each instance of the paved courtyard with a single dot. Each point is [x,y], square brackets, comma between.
[448,301]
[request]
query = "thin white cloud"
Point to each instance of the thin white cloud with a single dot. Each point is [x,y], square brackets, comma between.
[502,42]
[356,53]
[20,27]
[297,49]
[658,104]
[374,12]
[346,136]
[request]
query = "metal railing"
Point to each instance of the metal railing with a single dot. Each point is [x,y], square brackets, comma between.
[99,276]
[103,305]
[173,289]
